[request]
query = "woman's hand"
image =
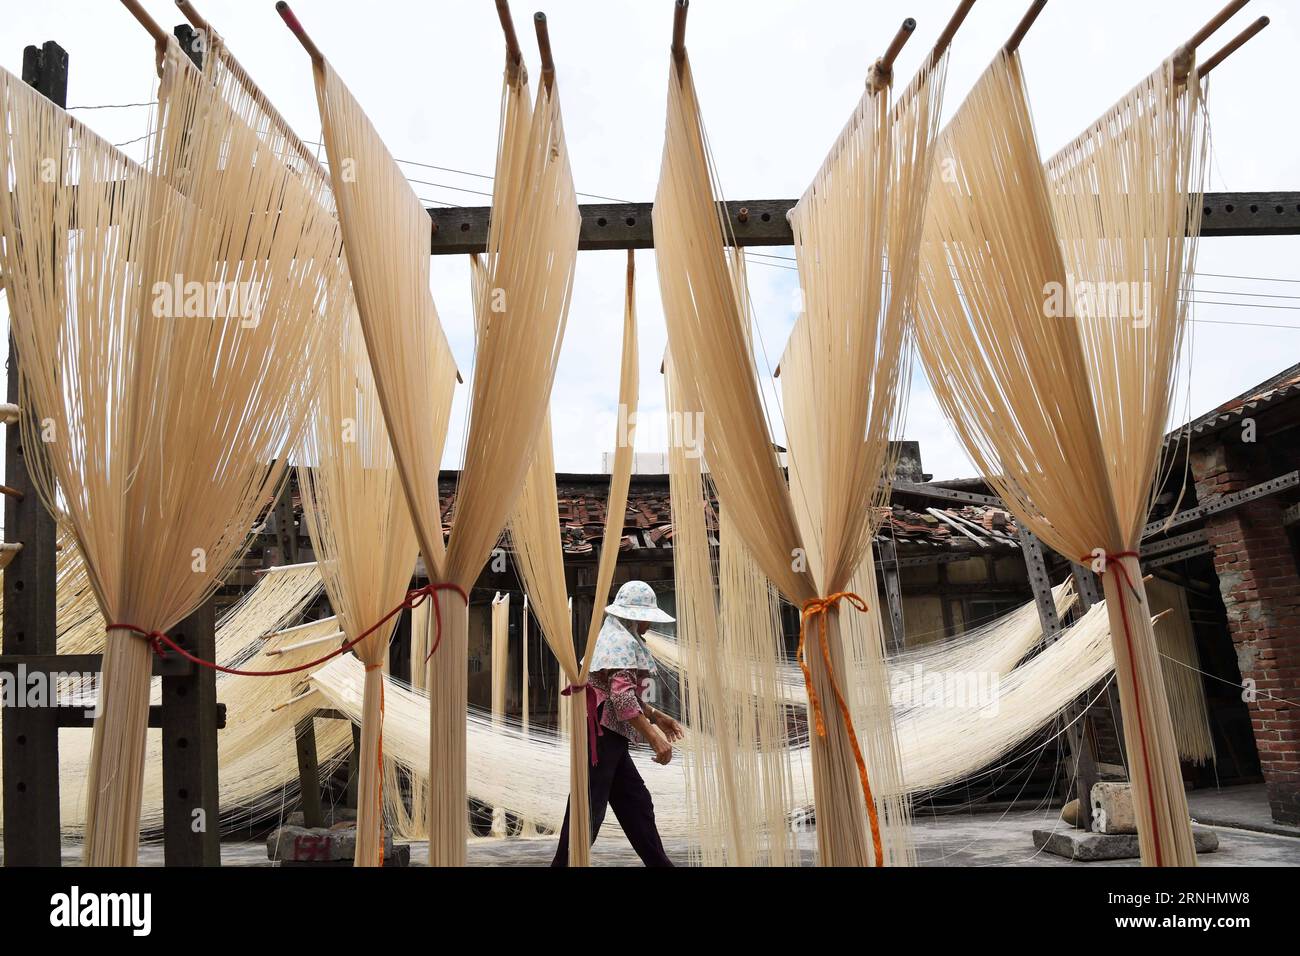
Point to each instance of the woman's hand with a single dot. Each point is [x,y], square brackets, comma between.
[659,743]
[671,728]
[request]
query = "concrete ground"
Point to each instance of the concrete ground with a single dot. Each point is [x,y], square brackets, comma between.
[1238,814]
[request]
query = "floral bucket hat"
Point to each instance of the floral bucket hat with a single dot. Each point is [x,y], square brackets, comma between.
[636,601]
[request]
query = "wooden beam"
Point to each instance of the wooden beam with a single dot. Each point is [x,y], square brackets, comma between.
[1159,546]
[761,222]
[462,230]
[76,717]
[173,665]
[1251,214]
[1040,583]
[31,735]
[940,557]
[191,807]
[309,772]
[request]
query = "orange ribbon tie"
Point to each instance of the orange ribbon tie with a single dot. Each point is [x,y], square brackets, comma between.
[821,607]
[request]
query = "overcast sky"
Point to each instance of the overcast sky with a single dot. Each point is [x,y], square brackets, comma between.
[777,80]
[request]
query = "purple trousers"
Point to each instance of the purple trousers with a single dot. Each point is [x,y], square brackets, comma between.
[614,782]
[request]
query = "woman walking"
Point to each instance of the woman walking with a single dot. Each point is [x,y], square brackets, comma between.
[621,668]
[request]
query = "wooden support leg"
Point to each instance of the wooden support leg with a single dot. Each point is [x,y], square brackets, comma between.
[31,734]
[191,809]
[286,529]
[309,772]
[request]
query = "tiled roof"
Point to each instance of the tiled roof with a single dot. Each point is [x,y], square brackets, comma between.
[648,520]
[1284,385]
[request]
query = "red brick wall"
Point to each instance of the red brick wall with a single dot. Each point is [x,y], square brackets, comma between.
[1260,585]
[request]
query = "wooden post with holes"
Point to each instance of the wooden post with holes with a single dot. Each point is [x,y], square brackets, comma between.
[309,772]
[191,808]
[31,734]
[286,529]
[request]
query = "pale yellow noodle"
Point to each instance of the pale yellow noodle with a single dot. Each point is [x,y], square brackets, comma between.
[170,409]
[1063,411]
[539,556]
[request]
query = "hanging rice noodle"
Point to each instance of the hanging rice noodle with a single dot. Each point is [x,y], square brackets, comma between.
[173,321]
[519,322]
[1060,398]
[539,557]
[860,220]
[729,638]
[361,530]
[938,745]
[1181,666]
[500,681]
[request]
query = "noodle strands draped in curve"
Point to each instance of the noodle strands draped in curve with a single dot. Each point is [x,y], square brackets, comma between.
[1061,399]
[519,320]
[539,555]
[860,220]
[173,321]
[365,545]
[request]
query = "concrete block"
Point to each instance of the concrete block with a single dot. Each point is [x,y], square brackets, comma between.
[1112,808]
[304,845]
[333,816]
[1092,847]
[401,856]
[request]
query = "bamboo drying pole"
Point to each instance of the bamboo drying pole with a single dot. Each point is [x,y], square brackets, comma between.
[950,30]
[291,21]
[1023,26]
[882,71]
[160,36]
[679,29]
[191,14]
[514,56]
[1232,47]
[1184,55]
[544,49]
[1222,17]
